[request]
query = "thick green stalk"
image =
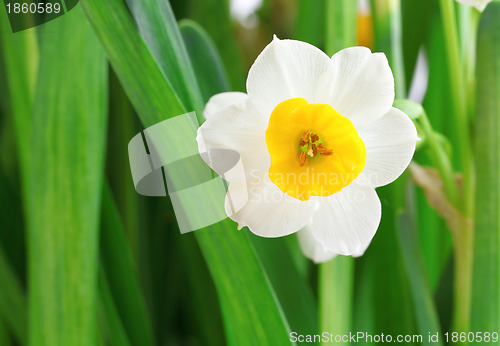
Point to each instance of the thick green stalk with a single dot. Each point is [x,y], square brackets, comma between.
[463,238]
[335,292]
[335,278]
[340,25]
[388,39]
[486,284]
[440,159]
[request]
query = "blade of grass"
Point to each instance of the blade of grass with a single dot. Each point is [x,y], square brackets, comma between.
[464,237]
[417,16]
[20,54]
[294,293]
[250,310]
[12,236]
[423,304]
[340,18]
[122,282]
[387,20]
[220,28]
[377,288]
[123,125]
[434,236]
[203,54]
[4,334]
[13,307]
[110,321]
[148,90]
[486,282]
[307,27]
[159,30]
[204,315]
[66,178]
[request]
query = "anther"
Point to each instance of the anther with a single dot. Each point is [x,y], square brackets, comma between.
[305,138]
[323,151]
[302,159]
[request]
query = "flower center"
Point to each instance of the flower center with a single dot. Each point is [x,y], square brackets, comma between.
[315,151]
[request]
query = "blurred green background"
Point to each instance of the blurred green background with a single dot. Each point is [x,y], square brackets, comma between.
[85,260]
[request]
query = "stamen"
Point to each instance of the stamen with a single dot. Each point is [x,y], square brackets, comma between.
[314,149]
[314,138]
[305,138]
[302,159]
[324,151]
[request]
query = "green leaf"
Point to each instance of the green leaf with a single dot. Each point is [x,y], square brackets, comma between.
[213,16]
[250,311]
[122,279]
[110,322]
[336,295]
[293,291]
[13,307]
[486,282]
[159,30]
[20,54]
[307,27]
[377,288]
[388,33]
[66,178]
[340,18]
[148,90]
[423,305]
[205,59]
[434,236]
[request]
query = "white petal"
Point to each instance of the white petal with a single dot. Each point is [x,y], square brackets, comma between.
[223,100]
[479,4]
[312,248]
[241,128]
[390,144]
[358,84]
[347,221]
[269,212]
[286,69]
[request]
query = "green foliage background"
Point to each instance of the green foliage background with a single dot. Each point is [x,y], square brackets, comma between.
[85,260]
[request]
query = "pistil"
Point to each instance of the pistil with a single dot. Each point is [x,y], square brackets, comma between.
[311,146]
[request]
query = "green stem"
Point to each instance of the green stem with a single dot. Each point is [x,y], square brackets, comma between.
[463,239]
[396,32]
[440,160]
[340,25]
[335,295]
[336,277]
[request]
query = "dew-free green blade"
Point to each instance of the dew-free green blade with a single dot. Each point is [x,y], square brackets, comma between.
[13,307]
[486,282]
[120,275]
[213,16]
[66,170]
[251,313]
[148,90]
[205,59]
[159,30]
[423,305]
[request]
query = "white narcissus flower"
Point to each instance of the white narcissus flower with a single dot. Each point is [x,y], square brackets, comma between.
[479,4]
[316,137]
